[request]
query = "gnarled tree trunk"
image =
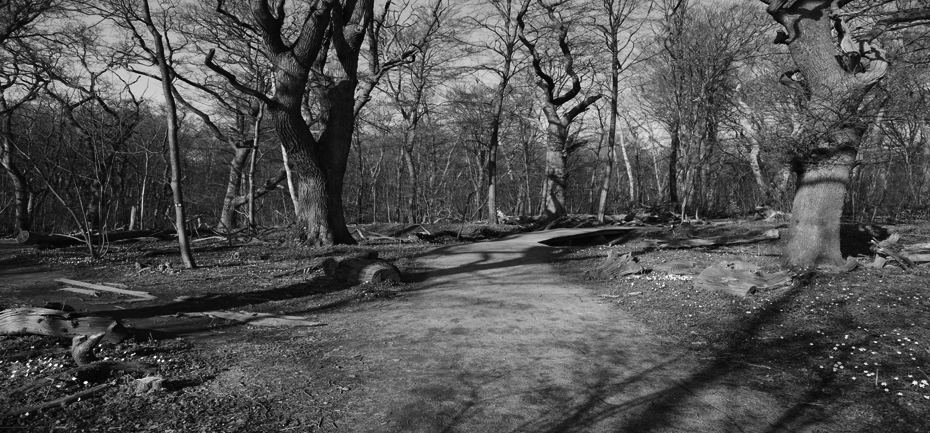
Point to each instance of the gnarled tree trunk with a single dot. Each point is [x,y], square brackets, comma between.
[834,77]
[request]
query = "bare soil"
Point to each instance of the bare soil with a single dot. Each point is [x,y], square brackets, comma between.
[485,336]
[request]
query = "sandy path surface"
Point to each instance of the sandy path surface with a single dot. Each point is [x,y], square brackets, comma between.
[496,341]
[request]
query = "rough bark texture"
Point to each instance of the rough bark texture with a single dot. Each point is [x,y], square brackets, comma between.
[835,119]
[319,160]
[21,191]
[818,205]
[55,323]
[558,147]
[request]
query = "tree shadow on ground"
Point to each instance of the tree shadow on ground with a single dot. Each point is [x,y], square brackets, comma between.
[659,410]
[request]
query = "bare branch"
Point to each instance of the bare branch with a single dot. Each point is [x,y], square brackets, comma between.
[235,82]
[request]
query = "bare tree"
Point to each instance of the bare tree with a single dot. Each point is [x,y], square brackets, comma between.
[302,59]
[559,144]
[411,85]
[619,35]
[171,112]
[20,82]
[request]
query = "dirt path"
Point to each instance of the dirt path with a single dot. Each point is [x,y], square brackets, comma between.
[496,341]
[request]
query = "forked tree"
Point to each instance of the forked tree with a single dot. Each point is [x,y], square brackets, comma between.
[317,62]
[559,145]
[835,75]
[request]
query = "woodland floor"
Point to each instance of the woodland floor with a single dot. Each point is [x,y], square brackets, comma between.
[504,335]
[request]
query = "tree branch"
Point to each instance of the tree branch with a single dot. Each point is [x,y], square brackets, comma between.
[235,82]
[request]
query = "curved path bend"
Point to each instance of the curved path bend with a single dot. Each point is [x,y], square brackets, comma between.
[496,341]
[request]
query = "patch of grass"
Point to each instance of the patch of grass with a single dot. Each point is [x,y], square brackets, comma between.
[854,348]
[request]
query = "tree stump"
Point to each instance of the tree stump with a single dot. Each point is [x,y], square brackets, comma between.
[361,270]
[55,323]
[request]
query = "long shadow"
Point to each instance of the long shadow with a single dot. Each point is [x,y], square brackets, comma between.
[655,411]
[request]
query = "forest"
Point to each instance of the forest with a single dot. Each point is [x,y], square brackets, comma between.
[243,116]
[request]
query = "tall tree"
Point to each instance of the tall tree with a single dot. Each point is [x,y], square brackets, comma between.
[411,85]
[618,32]
[320,57]
[835,75]
[559,145]
[171,112]
[503,63]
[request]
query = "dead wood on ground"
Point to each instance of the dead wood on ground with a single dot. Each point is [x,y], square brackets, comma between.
[739,278]
[257,319]
[361,270]
[55,323]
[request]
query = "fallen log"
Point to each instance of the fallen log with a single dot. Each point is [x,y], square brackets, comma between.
[361,270]
[257,319]
[58,240]
[32,238]
[55,323]
[739,278]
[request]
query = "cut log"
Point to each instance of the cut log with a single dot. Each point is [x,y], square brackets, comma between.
[358,270]
[55,323]
[739,278]
[138,294]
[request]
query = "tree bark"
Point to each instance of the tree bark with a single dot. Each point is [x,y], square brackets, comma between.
[228,220]
[173,142]
[21,192]
[835,121]
[817,208]
[556,177]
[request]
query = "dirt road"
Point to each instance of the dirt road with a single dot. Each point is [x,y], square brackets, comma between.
[496,341]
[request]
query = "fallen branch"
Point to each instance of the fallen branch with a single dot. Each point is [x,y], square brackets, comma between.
[59,402]
[87,292]
[142,295]
[306,270]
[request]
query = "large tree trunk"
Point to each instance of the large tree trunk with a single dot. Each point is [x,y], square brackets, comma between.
[556,176]
[22,194]
[834,91]
[818,205]
[336,143]
[492,168]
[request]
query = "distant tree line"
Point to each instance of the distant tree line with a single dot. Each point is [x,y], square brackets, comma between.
[328,113]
